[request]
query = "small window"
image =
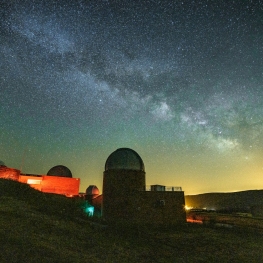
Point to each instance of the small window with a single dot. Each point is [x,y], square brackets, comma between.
[162,202]
[34,181]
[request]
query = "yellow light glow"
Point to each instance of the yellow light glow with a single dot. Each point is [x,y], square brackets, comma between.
[187,207]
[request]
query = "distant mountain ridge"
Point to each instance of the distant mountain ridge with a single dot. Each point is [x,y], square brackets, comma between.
[220,201]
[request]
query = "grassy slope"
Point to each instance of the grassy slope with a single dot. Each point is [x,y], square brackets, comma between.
[36,227]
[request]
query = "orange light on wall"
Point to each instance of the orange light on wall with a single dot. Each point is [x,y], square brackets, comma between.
[197,221]
[44,183]
[33,181]
[9,173]
[60,185]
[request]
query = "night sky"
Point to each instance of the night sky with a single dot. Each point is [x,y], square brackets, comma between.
[179,82]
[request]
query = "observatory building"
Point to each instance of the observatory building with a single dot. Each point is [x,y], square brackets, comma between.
[58,180]
[126,197]
[94,198]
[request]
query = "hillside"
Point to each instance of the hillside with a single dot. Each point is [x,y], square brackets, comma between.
[38,227]
[243,200]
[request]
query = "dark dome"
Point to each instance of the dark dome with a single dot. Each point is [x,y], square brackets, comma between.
[2,163]
[92,190]
[124,158]
[60,170]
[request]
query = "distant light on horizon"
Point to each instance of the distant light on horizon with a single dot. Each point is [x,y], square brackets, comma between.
[187,207]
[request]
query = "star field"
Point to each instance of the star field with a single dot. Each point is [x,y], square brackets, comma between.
[180,82]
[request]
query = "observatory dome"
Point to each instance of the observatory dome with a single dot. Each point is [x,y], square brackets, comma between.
[124,159]
[92,190]
[60,170]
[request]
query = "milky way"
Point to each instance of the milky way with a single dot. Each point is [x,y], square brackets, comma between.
[180,82]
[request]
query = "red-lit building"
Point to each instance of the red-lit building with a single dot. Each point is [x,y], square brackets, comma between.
[60,184]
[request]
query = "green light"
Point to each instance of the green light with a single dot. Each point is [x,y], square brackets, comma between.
[88,209]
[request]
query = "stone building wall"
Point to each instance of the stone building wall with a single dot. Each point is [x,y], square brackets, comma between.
[160,207]
[119,189]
